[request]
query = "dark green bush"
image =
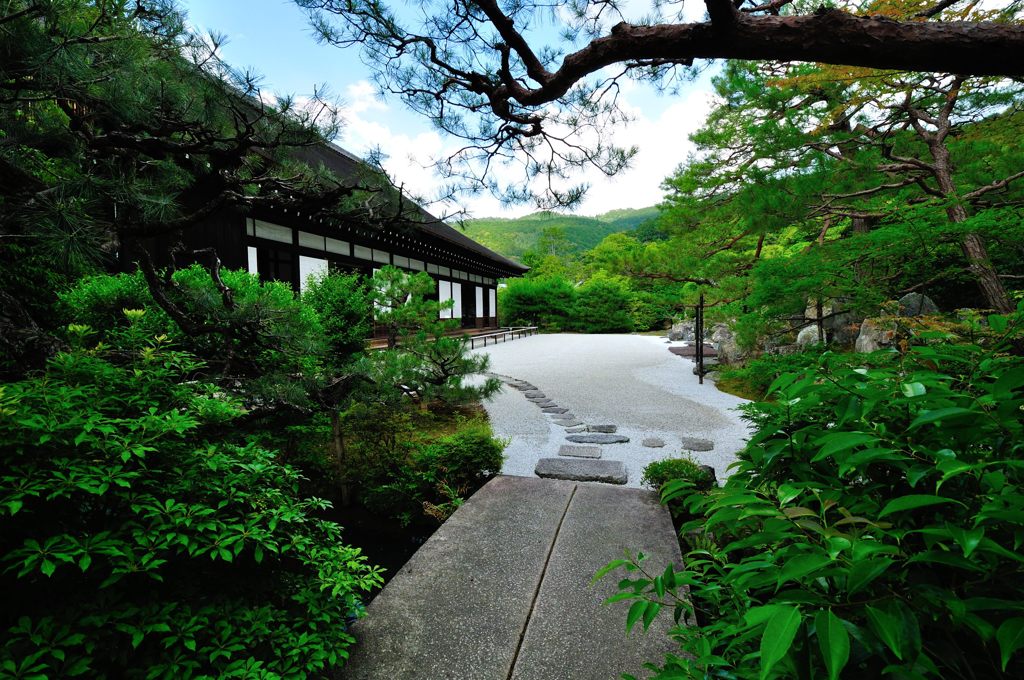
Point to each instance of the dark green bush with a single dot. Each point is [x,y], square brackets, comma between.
[546,302]
[872,528]
[753,379]
[133,546]
[342,304]
[436,473]
[660,472]
[603,305]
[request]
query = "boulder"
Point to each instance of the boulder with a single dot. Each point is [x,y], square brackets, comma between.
[916,304]
[726,347]
[682,331]
[808,335]
[874,335]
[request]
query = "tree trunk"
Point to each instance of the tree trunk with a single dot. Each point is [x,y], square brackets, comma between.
[338,444]
[862,225]
[973,245]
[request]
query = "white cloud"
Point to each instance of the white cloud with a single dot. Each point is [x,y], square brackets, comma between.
[661,138]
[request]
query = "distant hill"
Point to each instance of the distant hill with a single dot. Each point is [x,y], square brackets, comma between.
[513,237]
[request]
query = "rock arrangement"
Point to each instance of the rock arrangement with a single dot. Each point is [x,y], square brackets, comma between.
[581,459]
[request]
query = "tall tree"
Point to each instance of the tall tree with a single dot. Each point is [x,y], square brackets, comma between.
[488,72]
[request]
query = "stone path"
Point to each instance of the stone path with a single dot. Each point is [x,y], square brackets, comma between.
[502,590]
[623,395]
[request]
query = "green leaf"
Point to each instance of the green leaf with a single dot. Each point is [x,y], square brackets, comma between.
[1010,637]
[838,442]
[635,612]
[834,642]
[650,612]
[914,389]
[938,414]
[888,629]
[778,637]
[912,502]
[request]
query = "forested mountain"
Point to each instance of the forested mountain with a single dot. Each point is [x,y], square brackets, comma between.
[513,237]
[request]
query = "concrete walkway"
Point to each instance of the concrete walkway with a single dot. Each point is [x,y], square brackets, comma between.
[630,381]
[502,590]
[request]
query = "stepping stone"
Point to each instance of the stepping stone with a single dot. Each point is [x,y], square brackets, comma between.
[565,416]
[570,423]
[609,429]
[582,470]
[534,394]
[537,399]
[580,451]
[597,438]
[580,428]
[653,442]
[554,409]
[695,444]
[545,403]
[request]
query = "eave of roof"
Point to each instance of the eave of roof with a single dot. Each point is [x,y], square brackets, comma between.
[347,164]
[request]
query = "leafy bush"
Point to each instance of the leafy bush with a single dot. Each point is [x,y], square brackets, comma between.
[342,303]
[753,379]
[268,343]
[436,474]
[134,547]
[660,472]
[603,305]
[873,526]
[546,302]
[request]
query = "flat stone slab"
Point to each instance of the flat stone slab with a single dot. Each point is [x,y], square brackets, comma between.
[579,451]
[554,409]
[697,444]
[572,635]
[465,597]
[568,422]
[597,438]
[534,394]
[564,416]
[536,399]
[544,403]
[582,470]
[578,428]
[653,442]
[502,590]
[603,428]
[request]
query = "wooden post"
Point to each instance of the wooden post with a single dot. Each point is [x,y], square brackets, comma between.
[699,337]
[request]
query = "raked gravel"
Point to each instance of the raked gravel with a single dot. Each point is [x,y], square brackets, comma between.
[632,381]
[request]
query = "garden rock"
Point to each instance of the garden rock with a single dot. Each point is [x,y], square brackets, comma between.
[582,470]
[597,438]
[808,335]
[579,451]
[554,409]
[917,304]
[697,444]
[681,331]
[873,336]
[534,394]
[578,428]
[607,429]
[728,350]
[653,442]
[569,423]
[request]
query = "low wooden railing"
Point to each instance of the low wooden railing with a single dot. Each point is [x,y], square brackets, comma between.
[509,333]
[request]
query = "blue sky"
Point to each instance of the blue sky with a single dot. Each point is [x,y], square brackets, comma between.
[273,38]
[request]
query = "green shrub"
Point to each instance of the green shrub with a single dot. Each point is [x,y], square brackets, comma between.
[132,546]
[342,304]
[437,473]
[872,528]
[546,302]
[660,472]
[753,379]
[603,305]
[268,346]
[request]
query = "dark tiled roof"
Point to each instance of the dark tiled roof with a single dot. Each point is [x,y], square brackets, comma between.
[346,165]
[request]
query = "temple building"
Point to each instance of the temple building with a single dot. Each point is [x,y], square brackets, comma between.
[288,246]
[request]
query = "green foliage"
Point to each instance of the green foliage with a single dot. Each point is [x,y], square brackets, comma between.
[342,304]
[752,379]
[267,344]
[544,302]
[660,472]
[135,546]
[432,476]
[515,237]
[872,526]
[603,305]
